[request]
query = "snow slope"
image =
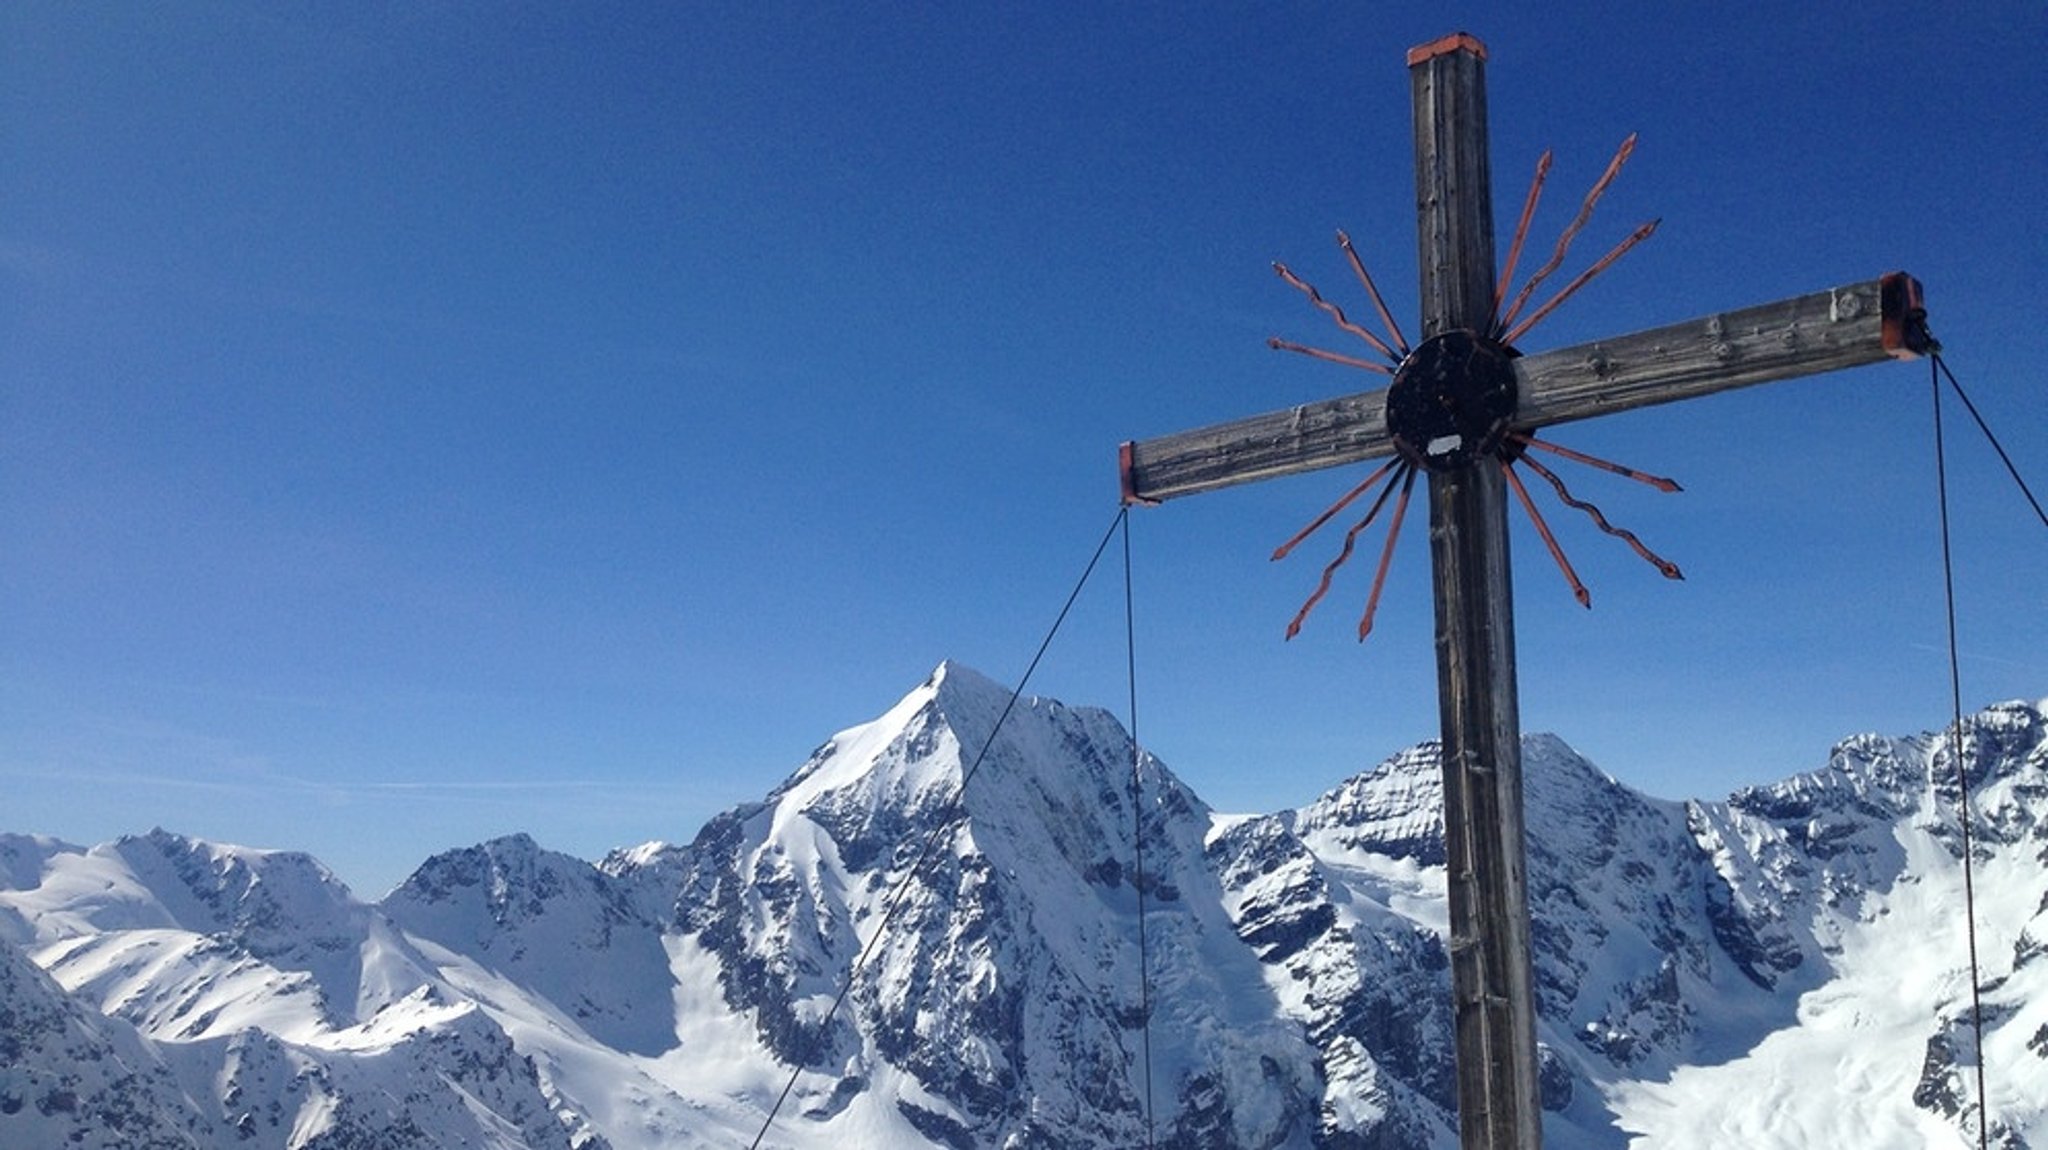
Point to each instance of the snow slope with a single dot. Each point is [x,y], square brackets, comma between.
[164,991]
[1787,967]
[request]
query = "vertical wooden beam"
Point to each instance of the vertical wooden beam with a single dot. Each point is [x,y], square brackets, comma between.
[1499,1107]
[1453,184]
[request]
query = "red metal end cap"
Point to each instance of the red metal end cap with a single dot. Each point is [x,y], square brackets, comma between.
[1904,334]
[1127,472]
[1455,42]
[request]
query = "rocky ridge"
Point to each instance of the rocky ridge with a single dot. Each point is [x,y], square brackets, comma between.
[1695,961]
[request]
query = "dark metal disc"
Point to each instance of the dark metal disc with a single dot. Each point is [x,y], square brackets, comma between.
[1452,400]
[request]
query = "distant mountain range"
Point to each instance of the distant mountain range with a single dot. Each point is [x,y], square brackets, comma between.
[1786,967]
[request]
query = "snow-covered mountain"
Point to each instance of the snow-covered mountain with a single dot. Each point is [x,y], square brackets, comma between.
[162,992]
[1787,967]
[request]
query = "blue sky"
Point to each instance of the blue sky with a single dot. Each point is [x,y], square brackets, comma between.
[420,422]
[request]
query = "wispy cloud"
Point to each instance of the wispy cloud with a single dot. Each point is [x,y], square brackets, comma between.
[257,785]
[1968,656]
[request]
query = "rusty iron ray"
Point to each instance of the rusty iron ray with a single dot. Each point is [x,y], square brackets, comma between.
[1336,313]
[1657,481]
[1507,270]
[1379,575]
[1667,567]
[1583,278]
[1350,541]
[1278,344]
[1365,277]
[1564,565]
[1571,231]
[1329,513]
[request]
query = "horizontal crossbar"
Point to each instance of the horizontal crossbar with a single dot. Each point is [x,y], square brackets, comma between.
[1849,326]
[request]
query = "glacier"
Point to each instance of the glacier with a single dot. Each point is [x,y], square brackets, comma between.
[1783,967]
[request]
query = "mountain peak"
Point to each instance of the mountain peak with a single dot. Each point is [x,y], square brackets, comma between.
[962,677]
[1302,957]
[914,758]
[213,887]
[966,700]
[494,870]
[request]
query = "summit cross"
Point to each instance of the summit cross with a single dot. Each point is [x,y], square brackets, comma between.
[1474,392]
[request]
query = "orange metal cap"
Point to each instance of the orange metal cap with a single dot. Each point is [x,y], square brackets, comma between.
[1455,42]
[1127,472]
[1903,333]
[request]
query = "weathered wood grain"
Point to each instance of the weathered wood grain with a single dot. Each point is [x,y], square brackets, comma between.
[1492,986]
[1804,335]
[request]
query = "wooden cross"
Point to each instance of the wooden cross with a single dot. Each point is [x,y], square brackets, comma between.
[1494,1007]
